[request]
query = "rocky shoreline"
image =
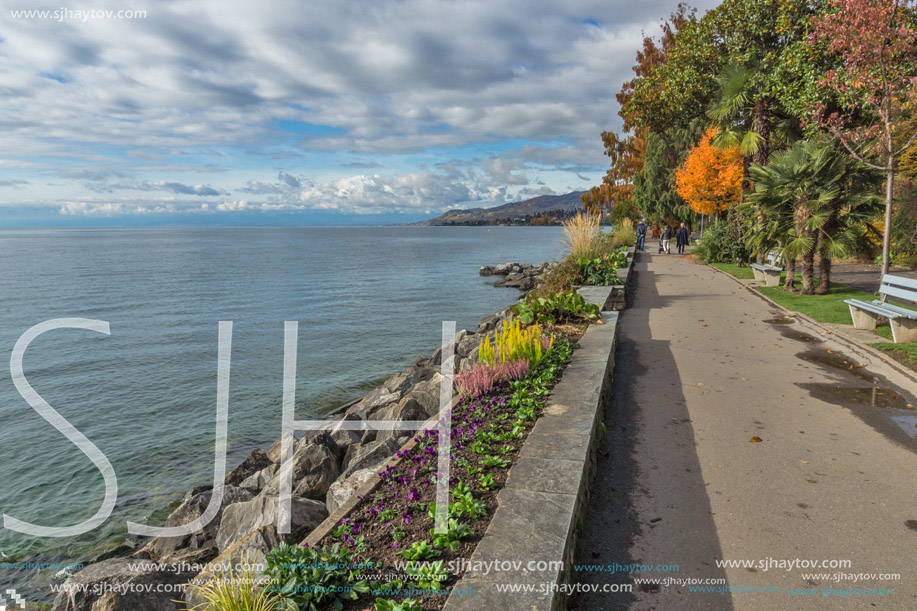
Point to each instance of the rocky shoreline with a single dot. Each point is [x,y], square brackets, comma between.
[328,467]
[523,276]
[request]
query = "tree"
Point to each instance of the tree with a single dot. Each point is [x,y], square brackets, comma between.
[814,200]
[710,180]
[654,186]
[617,186]
[876,81]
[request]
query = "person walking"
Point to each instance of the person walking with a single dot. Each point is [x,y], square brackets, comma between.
[681,239]
[666,238]
[641,235]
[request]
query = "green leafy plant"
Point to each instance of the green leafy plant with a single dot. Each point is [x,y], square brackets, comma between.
[466,504]
[451,539]
[408,604]
[557,307]
[491,461]
[420,550]
[309,577]
[603,270]
[428,575]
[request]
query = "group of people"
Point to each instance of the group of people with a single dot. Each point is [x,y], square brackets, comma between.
[664,237]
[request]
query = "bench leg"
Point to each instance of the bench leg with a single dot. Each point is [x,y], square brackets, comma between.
[903,330]
[863,319]
[759,275]
[772,278]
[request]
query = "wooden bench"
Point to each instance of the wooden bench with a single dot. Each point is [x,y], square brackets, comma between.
[865,314]
[768,273]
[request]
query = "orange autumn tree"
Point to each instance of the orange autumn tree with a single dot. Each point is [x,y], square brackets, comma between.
[710,179]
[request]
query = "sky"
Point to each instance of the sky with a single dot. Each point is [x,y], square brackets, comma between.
[305,112]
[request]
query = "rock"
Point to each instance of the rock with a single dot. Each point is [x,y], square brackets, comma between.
[488,324]
[273,452]
[120,584]
[360,457]
[486,270]
[343,489]
[468,344]
[314,468]
[343,439]
[512,279]
[241,519]
[427,393]
[377,398]
[201,545]
[257,481]
[408,408]
[254,462]
[503,269]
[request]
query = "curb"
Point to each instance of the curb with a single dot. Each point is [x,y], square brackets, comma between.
[532,537]
[908,373]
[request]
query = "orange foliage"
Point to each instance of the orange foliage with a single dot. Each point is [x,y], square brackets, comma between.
[710,180]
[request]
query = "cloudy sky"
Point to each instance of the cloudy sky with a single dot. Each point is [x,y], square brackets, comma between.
[231,112]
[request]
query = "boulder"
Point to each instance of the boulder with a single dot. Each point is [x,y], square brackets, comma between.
[242,519]
[467,344]
[377,398]
[488,324]
[427,393]
[343,489]
[486,270]
[361,457]
[343,439]
[408,408]
[314,468]
[120,584]
[254,462]
[257,481]
[201,545]
[273,452]
[503,269]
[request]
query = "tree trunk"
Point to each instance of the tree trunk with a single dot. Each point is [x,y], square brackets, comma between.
[824,275]
[887,238]
[808,272]
[790,274]
[761,125]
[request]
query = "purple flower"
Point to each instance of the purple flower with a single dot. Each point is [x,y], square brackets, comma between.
[406,517]
[414,495]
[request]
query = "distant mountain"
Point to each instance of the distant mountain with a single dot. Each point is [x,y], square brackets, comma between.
[516,211]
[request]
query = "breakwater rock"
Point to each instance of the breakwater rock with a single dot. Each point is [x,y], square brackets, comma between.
[523,276]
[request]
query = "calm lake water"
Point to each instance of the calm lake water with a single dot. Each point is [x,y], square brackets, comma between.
[368,300]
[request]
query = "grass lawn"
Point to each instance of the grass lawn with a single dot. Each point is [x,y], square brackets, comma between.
[742,273]
[828,308]
[906,354]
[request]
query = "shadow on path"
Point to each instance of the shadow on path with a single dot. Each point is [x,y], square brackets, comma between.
[648,504]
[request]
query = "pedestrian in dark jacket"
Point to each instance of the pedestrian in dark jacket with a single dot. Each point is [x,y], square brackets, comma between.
[681,239]
[641,235]
[666,238]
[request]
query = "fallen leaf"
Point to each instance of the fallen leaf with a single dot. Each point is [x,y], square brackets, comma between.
[811,481]
[755,439]
[700,383]
[804,461]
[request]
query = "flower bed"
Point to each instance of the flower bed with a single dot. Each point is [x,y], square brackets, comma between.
[364,563]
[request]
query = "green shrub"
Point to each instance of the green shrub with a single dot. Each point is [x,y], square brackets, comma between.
[558,307]
[229,592]
[721,243]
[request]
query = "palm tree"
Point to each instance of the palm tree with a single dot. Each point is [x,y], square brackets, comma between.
[814,200]
[752,121]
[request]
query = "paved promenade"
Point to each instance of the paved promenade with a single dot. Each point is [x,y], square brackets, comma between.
[704,368]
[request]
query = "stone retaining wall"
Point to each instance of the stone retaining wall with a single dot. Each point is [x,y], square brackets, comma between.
[540,510]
